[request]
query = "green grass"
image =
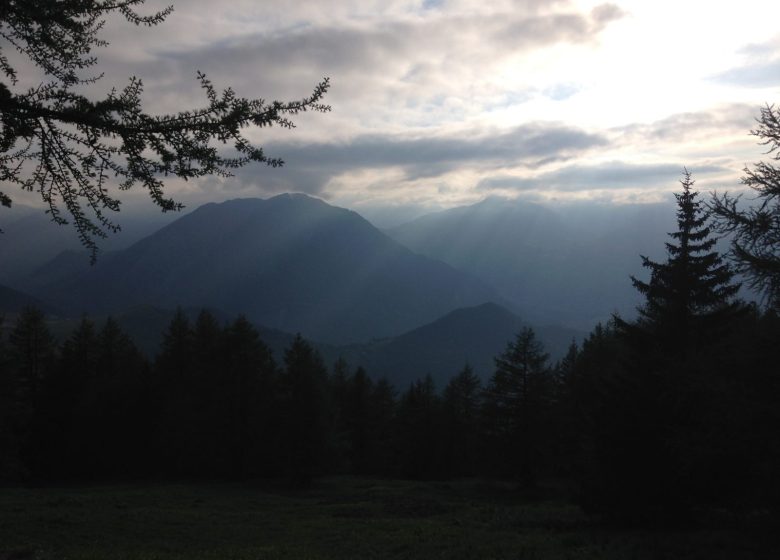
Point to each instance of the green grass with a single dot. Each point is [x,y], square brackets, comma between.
[339,518]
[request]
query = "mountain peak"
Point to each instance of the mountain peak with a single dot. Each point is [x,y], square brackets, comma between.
[291,262]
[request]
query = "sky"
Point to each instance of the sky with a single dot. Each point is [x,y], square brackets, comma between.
[441,103]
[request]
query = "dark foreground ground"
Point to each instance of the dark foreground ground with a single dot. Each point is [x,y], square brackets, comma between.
[342,518]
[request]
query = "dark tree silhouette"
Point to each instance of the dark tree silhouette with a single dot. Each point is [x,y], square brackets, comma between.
[11,462]
[305,418]
[418,431]
[756,230]
[461,406]
[32,356]
[175,401]
[32,351]
[655,424]
[246,381]
[516,403]
[69,147]
[691,293]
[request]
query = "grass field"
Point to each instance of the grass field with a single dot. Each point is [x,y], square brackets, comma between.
[339,518]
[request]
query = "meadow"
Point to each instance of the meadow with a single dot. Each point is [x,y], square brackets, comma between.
[343,518]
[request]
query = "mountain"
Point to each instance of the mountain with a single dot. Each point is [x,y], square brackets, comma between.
[568,266]
[473,335]
[291,262]
[30,240]
[13,301]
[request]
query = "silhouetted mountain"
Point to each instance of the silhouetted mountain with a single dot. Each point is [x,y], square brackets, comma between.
[13,301]
[291,262]
[570,267]
[473,335]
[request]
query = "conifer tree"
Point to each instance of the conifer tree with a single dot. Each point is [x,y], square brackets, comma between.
[71,401]
[63,141]
[245,386]
[690,296]
[122,403]
[755,230]
[11,466]
[306,420]
[653,422]
[175,402]
[32,351]
[516,403]
[419,431]
[461,403]
[357,416]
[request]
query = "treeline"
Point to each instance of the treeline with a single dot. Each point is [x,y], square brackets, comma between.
[215,403]
[623,425]
[647,420]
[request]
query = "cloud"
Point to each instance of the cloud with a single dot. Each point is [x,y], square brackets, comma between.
[309,167]
[616,175]
[761,68]
[721,121]
[381,65]
[761,75]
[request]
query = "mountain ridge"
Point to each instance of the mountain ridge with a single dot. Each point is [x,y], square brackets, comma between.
[291,262]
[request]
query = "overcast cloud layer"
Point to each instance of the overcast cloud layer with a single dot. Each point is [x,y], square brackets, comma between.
[438,103]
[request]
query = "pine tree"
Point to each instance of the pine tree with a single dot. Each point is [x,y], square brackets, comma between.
[516,403]
[247,381]
[688,298]
[655,416]
[357,416]
[174,400]
[461,403]
[419,431]
[306,420]
[32,353]
[122,414]
[755,230]
[11,466]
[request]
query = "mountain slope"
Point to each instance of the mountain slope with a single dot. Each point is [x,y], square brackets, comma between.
[13,301]
[30,239]
[291,262]
[473,335]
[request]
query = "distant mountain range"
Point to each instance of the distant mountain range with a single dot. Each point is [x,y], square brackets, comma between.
[291,262]
[566,267]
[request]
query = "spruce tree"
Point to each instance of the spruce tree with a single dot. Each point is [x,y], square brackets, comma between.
[516,403]
[689,298]
[461,403]
[418,431]
[657,442]
[306,429]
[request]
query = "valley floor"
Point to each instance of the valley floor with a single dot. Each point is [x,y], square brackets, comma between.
[339,518]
